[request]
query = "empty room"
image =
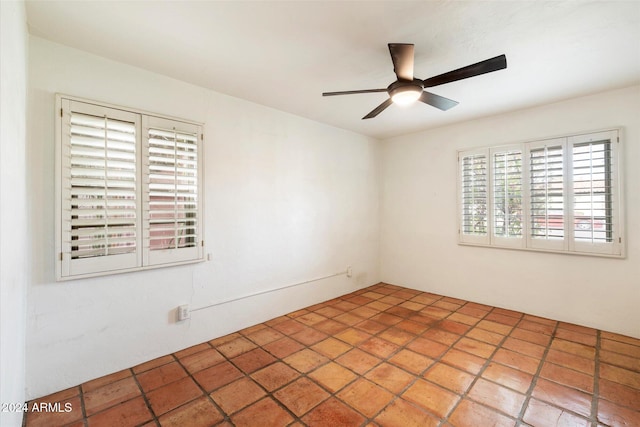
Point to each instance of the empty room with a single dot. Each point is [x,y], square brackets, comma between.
[320,213]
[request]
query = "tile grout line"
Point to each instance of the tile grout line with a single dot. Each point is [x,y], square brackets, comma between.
[383,360]
[226,417]
[144,397]
[451,346]
[416,377]
[536,376]
[367,419]
[85,419]
[358,376]
[596,382]
[300,375]
[176,359]
[481,371]
[462,396]
[438,359]
[396,395]
[332,394]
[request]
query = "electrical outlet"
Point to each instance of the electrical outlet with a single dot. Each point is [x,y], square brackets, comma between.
[349,271]
[183,312]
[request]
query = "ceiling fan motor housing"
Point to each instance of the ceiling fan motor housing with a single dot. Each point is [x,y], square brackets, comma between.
[405,91]
[404,85]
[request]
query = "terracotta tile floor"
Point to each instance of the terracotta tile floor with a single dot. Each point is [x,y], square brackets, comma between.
[381,356]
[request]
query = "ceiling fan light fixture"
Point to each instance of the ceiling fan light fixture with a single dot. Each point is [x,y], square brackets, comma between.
[406,95]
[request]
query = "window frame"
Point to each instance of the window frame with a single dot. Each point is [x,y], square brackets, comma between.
[568,244]
[141,259]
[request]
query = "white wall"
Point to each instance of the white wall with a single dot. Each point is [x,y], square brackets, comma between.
[419,221]
[287,200]
[14,234]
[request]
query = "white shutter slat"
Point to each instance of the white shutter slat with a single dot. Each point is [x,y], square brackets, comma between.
[594,198]
[172,206]
[507,196]
[102,190]
[474,194]
[473,172]
[546,195]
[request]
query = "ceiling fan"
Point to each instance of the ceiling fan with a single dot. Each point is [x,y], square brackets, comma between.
[407,89]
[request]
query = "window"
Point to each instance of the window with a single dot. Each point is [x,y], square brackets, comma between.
[128,190]
[559,195]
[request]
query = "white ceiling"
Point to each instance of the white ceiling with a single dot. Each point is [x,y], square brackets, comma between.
[285,54]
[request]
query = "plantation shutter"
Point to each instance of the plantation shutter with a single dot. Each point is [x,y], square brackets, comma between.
[128,190]
[473,171]
[547,194]
[555,195]
[594,194]
[172,193]
[100,189]
[507,190]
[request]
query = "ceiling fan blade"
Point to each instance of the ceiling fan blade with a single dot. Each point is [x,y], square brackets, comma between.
[437,101]
[379,109]
[351,92]
[402,57]
[482,67]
